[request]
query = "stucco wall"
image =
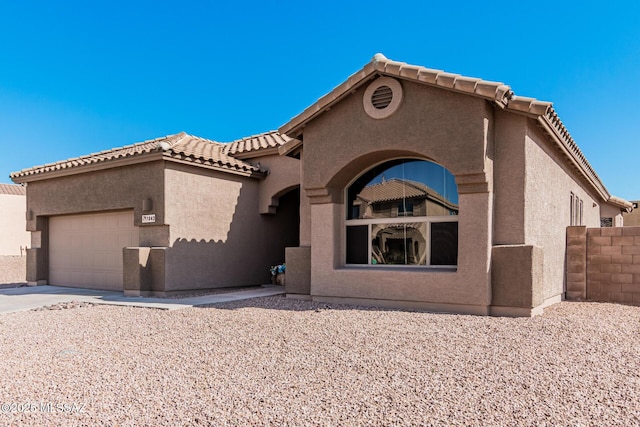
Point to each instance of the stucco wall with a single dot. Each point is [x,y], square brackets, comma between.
[110,189]
[440,125]
[632,219]
[548,184]
[614,212]
[451,129]
[284,175]
[509,178]
[13,234]
[305,210]
[218,238]
[103,190]
[13,268]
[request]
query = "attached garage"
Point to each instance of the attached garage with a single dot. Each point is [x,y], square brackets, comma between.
[86,250]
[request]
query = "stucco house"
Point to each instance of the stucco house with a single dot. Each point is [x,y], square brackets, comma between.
[506,167]
[632,219]
[14,239]
[163,216]
[403,187]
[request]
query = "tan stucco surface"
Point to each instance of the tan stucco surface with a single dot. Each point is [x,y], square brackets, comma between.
[509,176]
[283,176]
[548,185]
[632,219]
[431,123]
[121,188]
[207,231]
[13,268]
[514,196]
[218,237]
[110,189]
[449,128]
[13,234]
[619,218]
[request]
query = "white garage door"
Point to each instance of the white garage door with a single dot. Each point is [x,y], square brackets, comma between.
[86,250]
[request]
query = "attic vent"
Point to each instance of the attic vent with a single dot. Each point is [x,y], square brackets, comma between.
[382,97]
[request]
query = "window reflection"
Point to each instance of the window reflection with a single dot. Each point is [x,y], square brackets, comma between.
[411,188]
[399,243]
[403,212]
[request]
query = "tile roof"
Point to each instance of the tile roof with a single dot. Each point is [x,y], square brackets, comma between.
[396,189]
[12,189]
[256,145]
[181,147]
[207,152]
[496,92]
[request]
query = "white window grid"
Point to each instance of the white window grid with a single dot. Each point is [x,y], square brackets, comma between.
[399,220]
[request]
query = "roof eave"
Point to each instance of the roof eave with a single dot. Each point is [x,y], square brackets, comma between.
[621,203]
[252,173]
[19,178]
[496,92]
[575,157]
[294,127]
[291,148]
[499,94]
[256,153]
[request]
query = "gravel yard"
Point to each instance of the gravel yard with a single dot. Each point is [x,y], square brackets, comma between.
[274,361]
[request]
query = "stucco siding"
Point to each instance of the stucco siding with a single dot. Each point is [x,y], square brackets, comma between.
[632,219]
[615,213]
[446,127]
[115,189]
[13,235]
[283,175]
[305,210]
[13,268]
[218,238]
[509,178]
[548,185]
[451,129]
[110,189]
[467,286]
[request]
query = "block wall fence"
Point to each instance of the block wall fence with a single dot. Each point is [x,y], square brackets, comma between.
[603,264]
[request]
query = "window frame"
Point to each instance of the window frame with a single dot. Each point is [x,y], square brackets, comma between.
[370,222]
[400,219]
[576,210]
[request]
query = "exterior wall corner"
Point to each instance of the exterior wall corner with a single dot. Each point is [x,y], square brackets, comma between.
[516,276]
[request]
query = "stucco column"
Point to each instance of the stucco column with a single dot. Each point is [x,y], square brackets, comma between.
[38,254]
[474,246]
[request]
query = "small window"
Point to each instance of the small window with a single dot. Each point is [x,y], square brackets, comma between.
[405,208]
[606,222]
[580,222]
[572,210]
[576,210]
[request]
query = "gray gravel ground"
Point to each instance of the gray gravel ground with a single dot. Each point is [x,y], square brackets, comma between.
[273,361]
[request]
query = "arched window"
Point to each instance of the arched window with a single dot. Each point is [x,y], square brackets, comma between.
[403,212]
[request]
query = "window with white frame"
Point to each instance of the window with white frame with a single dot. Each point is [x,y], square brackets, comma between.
[403,212]
[576,210]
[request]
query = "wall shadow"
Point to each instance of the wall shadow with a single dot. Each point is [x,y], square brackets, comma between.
[253,244]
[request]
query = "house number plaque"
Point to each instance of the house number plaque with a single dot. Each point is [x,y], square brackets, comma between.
[146,219]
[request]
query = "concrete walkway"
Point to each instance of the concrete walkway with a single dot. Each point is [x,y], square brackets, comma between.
[28,298]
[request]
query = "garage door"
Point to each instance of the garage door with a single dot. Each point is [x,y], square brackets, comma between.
[86,250]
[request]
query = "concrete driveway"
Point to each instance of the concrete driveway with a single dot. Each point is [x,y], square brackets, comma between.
[30,297]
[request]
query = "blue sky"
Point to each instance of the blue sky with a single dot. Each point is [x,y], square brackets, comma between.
[79,77]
